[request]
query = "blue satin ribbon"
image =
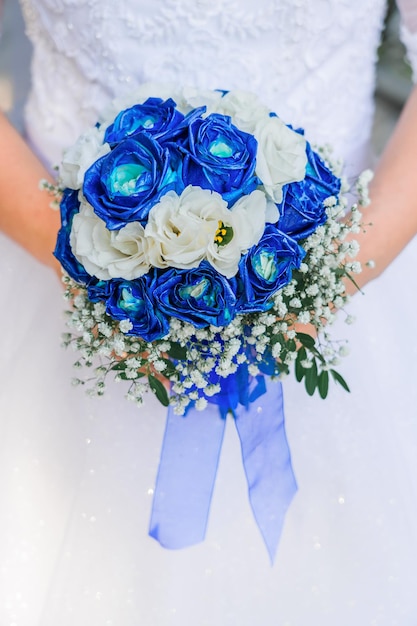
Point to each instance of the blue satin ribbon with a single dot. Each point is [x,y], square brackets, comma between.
[190,455]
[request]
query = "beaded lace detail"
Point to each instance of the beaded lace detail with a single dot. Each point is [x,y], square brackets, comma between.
[311,62]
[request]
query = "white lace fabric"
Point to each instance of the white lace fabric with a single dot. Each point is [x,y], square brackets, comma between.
[296,55]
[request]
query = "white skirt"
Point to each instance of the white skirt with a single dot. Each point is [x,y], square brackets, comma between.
[77,477]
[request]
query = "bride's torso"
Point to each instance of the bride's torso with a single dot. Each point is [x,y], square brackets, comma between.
[77,478]
[312,62]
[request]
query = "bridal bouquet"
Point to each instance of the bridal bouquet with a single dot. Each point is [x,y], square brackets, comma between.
[199,234]
[199,231]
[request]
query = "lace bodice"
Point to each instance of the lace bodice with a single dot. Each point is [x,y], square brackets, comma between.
[312,62]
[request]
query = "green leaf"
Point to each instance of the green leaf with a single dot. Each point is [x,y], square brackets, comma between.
[177,352]
[307,340]
[120,366]
[159,390]
[283,368]
[291,345]
[299,369]
[353,281]
[324,384]
[339,379]
[122,376]
[278,338]
[318,355]
[311,378]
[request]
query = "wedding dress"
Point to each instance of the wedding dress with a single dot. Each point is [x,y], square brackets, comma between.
[77,475]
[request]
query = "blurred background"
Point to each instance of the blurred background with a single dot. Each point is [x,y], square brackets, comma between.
[393,82]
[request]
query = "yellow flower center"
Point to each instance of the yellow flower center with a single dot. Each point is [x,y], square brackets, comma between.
[223,234]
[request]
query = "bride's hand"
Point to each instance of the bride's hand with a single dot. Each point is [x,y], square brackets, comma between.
[392,214]
[25,213]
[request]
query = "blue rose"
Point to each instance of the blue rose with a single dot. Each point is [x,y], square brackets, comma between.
[69,207]
[158,118]
[134,300]
[99,290]
[266,268]
[123,185]
[220,157]
[199,296]
[318,174]
[302,209]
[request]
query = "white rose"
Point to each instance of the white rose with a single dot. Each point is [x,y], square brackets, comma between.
[180,228]
[281,157]
[244,107]
[108,253]
[183,230]
[247,221]
[272,212]
[78,158]
[193,98]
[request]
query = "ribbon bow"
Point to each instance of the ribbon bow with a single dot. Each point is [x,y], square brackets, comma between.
[190,455]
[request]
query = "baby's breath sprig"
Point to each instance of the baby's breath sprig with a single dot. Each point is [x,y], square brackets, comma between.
[53,190]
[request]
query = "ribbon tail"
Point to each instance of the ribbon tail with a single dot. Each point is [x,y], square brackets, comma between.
[267,462]
[186,476]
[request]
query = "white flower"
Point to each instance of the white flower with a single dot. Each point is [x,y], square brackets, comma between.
[354,267]
[201,404]
[247,221]
[276,350]
[108,253]
[344,350]
[211,390]
[281,156]
[244,107]
[180,228]
[304,317]
[125,325]
[78,158]
[192,98]
[105,329]
[183,230]
[272,212]
[99,309]
[253,369]
[330,201]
